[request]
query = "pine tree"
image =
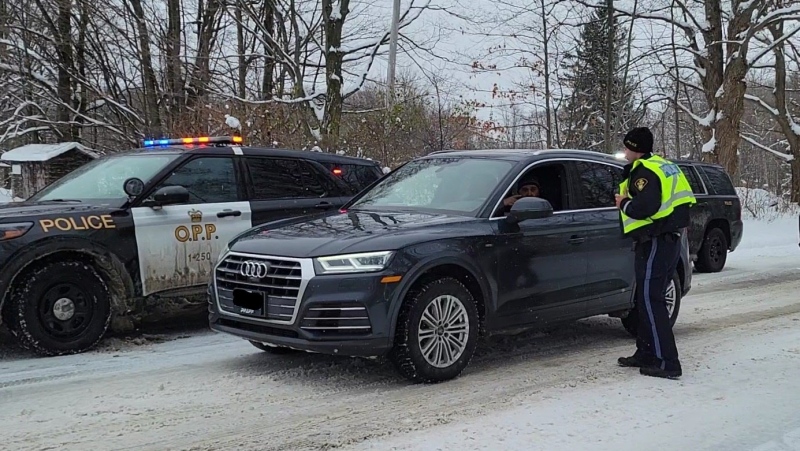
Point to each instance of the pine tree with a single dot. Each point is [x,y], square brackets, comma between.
[588,77]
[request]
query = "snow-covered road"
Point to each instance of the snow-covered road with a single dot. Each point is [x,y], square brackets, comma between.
[738,334]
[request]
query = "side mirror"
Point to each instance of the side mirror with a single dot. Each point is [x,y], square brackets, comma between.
[133,187]
[168,195]
[530,208]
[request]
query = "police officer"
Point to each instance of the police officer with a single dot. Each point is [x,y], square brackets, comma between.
[654,203]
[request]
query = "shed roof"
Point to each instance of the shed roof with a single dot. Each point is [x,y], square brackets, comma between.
[44,152]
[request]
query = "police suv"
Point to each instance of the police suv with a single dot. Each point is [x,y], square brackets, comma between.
[145,225]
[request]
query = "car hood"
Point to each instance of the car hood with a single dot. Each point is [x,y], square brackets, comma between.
[19,210]
[349,232]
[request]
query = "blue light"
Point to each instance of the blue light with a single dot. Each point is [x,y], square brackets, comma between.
[149,143]
[163,142]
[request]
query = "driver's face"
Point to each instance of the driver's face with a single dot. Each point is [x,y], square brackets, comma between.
[529,191]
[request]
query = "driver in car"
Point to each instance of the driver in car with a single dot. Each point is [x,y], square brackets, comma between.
[528,187]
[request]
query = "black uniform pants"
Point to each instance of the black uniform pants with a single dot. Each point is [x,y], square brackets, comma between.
[656,261]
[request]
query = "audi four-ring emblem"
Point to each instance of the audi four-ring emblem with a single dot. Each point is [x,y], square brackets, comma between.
[252,268]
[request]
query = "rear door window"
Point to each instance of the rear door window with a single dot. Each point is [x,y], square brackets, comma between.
[694,178]
[719,180]
[275,178]
[355,176]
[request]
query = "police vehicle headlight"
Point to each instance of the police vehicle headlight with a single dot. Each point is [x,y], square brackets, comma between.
[16,230]
[353,263]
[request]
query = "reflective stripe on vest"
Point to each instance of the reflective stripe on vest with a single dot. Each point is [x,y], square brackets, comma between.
[675,191]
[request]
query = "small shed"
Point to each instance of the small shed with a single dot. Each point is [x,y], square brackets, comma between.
[35,166]
[5,175]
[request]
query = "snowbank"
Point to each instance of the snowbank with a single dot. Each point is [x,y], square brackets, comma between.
[761,204]
[6,197]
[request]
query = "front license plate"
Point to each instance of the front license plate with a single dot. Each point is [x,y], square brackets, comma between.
[249,302]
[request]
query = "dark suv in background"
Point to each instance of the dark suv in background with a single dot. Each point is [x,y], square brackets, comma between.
[716,226]
[428,259]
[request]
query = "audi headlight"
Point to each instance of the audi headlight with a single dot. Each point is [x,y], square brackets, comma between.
[353,263]
[16,230]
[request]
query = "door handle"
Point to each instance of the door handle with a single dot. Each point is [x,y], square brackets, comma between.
[575,239]
[323,205]
[226,213]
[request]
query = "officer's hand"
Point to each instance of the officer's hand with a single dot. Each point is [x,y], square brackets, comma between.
[619,198]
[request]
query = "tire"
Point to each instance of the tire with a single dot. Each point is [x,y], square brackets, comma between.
[631,322]
[407,353]
[714,252]
[61,308]
[278,350]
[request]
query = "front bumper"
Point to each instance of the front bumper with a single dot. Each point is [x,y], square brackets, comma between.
[333,314]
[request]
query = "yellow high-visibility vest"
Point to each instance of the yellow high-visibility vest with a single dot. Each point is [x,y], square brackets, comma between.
[675,191]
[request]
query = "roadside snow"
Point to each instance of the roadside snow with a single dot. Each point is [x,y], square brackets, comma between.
[6,197]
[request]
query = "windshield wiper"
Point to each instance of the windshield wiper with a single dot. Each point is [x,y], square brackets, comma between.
[60,200]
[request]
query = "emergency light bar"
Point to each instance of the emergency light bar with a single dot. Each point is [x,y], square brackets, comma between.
[198,140]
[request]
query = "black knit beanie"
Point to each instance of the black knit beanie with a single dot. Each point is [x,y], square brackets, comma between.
[639,140]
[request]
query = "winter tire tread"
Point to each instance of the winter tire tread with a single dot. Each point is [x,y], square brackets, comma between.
[32,337]
[413,366]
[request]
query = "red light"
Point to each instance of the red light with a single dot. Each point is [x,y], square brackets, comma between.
[337,171]
[342,211]
[203,139]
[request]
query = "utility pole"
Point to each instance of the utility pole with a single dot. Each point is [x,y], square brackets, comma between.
[611,67]
[393,49]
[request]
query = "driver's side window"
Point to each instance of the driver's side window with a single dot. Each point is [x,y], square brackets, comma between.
[551,179]
[208,180]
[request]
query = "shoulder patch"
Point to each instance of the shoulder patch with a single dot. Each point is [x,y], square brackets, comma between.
[640,183]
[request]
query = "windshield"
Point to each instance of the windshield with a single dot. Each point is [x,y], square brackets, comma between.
[456,185]
[103,179]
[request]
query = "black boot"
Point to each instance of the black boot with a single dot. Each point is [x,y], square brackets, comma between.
[635,361]
[656,371]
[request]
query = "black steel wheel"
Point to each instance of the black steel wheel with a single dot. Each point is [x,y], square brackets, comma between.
[714,252]
[60,308]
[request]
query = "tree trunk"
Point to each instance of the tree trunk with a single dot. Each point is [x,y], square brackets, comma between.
[63,38]
[612,34]
[241,90]
[174,85]
[331,121]
[547,106]
[153,124]
[795,164]
[268,83]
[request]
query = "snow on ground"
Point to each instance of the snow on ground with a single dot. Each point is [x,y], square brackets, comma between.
[738,334]
[5,196]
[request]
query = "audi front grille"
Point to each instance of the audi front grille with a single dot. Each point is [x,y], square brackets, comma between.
[281,281]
